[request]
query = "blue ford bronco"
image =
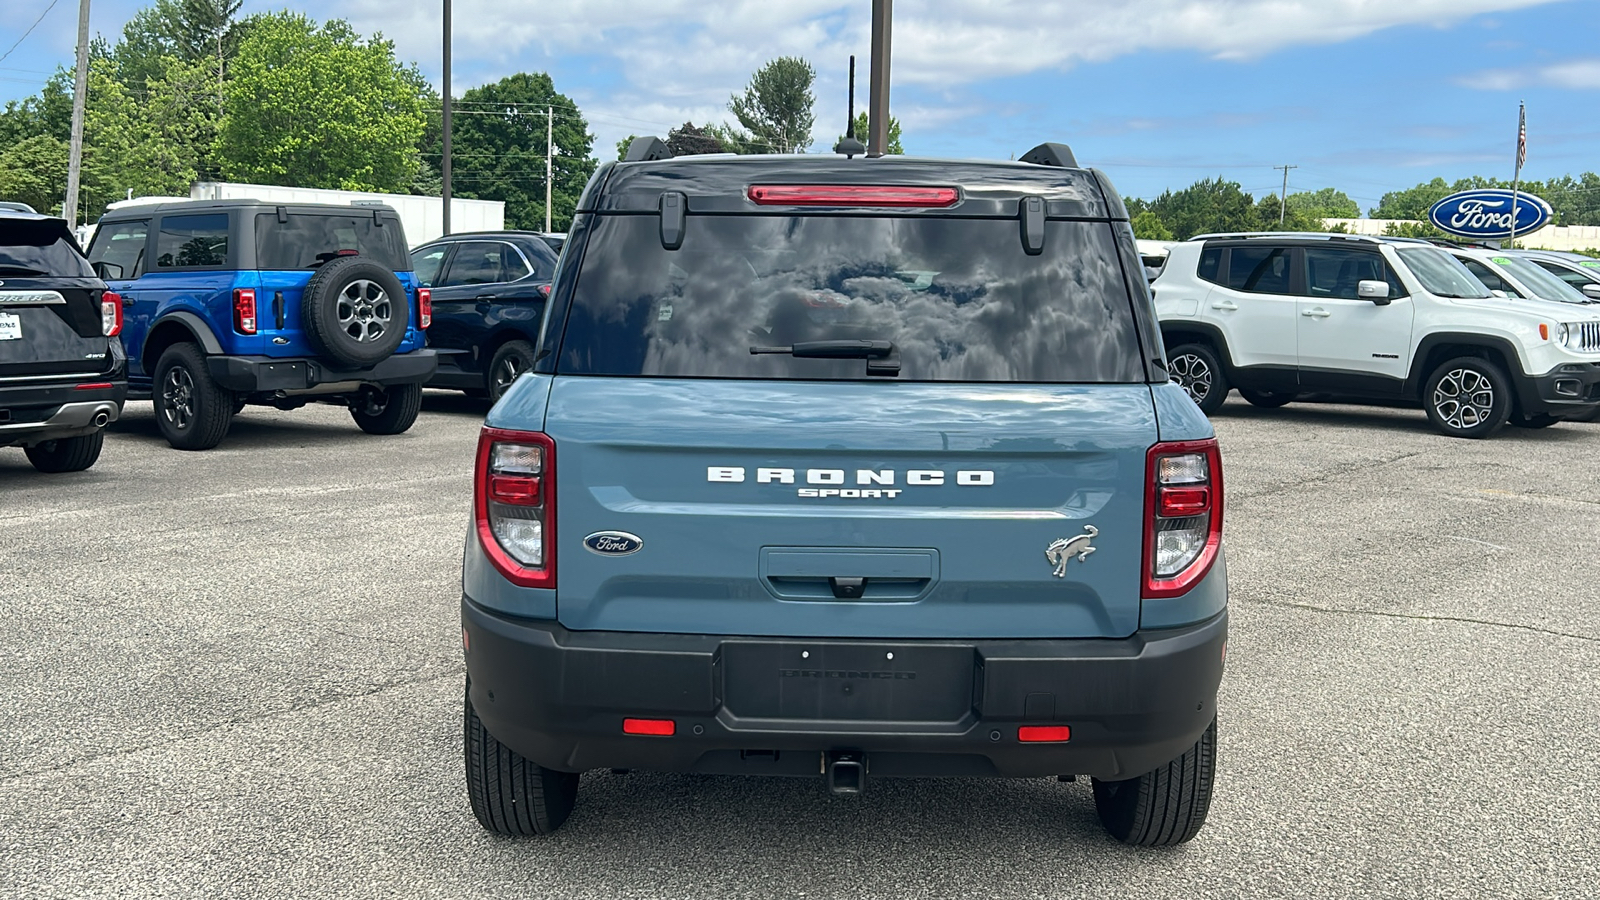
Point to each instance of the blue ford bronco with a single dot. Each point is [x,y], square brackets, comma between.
[850,468]
[240,301]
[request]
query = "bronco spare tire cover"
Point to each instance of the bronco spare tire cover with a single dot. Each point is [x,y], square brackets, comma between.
[354,312]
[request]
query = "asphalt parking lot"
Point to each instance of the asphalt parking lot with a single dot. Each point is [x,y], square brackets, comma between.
[237,673]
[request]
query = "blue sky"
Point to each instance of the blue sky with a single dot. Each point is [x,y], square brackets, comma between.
[1362,95]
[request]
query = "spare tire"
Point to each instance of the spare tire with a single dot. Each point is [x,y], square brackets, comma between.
[355,312]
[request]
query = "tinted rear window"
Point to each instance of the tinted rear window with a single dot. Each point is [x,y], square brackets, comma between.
[34,247]
[959,298]
[308,240]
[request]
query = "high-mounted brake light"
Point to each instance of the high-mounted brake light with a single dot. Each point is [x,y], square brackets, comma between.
[514,505]
[1183,513]
[424,308]
[853,195]
[110,314]
[244,310]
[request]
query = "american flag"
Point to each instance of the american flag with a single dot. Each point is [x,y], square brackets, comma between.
[1522,135]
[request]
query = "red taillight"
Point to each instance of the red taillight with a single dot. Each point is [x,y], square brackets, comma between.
[244,310]
[544,289]
[514,504]
[652,727]
[1044,734]
[853,195]
[424,308]
[110,314]
[1183,512]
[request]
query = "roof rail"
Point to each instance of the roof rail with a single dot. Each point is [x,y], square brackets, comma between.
[1317,235]
[647,149]
[1048,154]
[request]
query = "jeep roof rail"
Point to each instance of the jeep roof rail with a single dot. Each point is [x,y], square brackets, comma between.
[647,149]
[1311,235]
[1050,154]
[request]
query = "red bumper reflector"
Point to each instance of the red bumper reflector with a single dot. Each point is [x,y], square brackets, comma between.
[652,727]
[1044,734]
[95,386]
[853,195]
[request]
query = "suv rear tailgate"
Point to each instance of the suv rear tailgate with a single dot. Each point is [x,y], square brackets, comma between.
[1005,471]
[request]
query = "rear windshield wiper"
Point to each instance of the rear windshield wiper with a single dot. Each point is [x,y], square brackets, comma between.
[882,357]
[21,270]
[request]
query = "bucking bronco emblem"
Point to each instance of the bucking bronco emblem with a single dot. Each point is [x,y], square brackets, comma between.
[1061,550]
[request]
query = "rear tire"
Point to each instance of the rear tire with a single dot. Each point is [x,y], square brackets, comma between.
[510,361]
[1266,399]
[1467,397]
[73,454]
[193,412]
[1163,807]
[1196,369]
[509,794]
[401,404]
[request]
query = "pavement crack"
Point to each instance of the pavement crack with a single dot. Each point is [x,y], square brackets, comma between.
[1415,617]
[228,723]
[1327,476]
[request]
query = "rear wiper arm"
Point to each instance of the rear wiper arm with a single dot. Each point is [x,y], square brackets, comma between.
[21,270]
[882,357]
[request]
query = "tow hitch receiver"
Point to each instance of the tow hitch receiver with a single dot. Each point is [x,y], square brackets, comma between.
[846,771]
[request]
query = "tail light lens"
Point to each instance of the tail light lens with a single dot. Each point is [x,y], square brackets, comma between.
[110,314]
[891,196]
[514,504]
[244,311]
[1183,509]
[424,308]
[544,289]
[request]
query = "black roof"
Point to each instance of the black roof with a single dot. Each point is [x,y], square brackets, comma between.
[139,211]
[717,183]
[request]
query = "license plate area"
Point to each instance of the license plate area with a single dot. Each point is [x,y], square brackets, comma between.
[848,682]
[10,327]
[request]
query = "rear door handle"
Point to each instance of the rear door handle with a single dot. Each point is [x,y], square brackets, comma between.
[1224,304]
[126,300]
[1318,313]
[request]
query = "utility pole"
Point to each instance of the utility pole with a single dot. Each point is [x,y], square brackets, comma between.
[549,156]
[1283,198]
[80,93]
[878,103]
[444,165]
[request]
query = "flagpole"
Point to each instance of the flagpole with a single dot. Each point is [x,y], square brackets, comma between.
[1516,175]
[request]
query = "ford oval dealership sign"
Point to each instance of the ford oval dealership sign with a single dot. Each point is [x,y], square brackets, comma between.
[1486,213]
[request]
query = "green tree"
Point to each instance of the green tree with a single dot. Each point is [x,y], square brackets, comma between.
[320,107]
[34,171]
[1328,203]
[688,140]
[863,126]
[188,30]
[776,107]
[1273,215]
[1411,203]
[500,149]
[1423,229]
[1208,205]
[1149,227]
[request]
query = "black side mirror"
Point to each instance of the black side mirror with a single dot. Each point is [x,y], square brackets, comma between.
[107,270]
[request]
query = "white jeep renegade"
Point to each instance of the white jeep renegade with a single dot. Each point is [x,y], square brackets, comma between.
[1280,315]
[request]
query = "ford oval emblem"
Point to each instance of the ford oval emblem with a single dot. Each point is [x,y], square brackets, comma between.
[1486,213]
[613,543]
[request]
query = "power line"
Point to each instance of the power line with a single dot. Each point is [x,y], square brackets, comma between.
[30,29]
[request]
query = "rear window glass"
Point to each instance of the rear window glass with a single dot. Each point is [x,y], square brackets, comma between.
[36,248]
[959,299]
[1259,270]
[308,240]
[186,241]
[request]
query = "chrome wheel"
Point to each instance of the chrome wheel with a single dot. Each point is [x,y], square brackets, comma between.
[1191,373]
[364,311]
[1464,398]
[506,372]
[177,397]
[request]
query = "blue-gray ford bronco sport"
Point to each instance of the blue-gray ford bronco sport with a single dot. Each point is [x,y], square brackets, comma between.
[850,468]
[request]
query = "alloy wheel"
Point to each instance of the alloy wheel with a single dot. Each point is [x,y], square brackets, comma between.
[1464,398]
[505,373]
[177,395]
[1191,373]
[364,310]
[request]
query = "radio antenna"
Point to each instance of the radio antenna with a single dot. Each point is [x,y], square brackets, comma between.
[849,145]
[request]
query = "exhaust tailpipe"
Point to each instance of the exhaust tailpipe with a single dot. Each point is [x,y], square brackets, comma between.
[101,418]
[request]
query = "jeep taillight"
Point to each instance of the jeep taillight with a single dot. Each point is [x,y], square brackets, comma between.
[514,501]
[110,314]
[1183,513]
[424,308]
[244,310]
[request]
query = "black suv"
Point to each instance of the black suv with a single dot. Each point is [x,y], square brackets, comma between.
[489,291]
[63,376]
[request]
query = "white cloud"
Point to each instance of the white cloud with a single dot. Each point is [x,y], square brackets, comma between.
[1576,74]
[680,59]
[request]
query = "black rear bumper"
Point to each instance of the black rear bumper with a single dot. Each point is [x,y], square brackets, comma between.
[779,706]
[48,410]
[253,374]
[1568,391]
